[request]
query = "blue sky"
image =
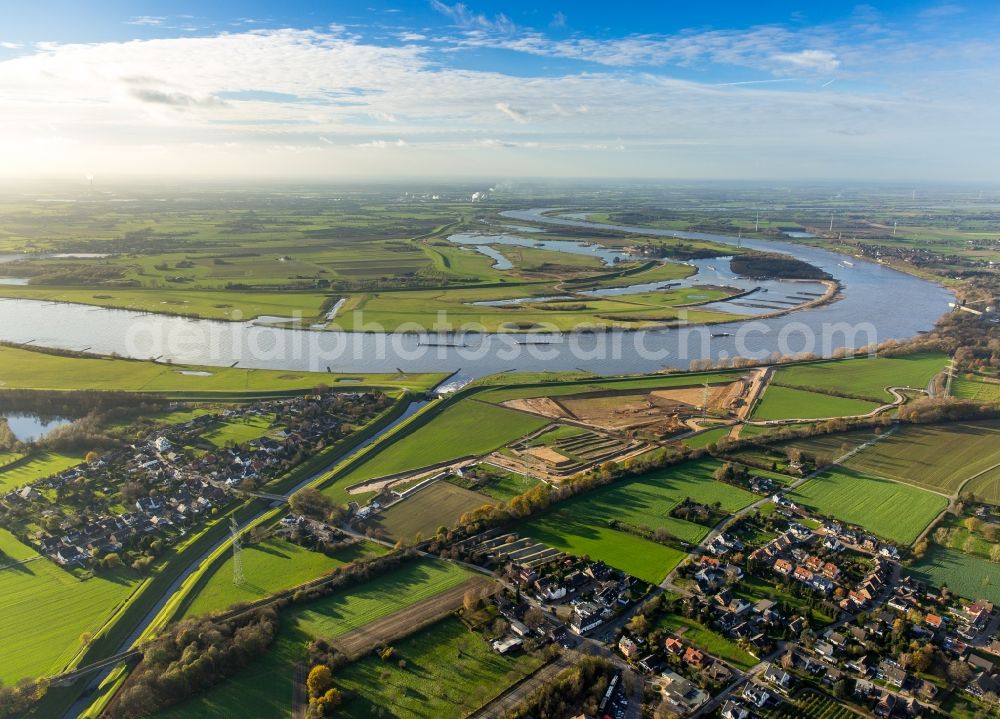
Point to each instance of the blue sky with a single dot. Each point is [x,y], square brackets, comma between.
[497,89]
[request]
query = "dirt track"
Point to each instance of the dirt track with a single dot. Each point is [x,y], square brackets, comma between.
[407,621]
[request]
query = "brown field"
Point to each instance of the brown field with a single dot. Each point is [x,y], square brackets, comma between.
[409,620]
[439,504]
[660,409]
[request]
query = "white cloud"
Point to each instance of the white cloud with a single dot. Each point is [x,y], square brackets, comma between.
[7,45]
[146,20]
[308,103]
[379,144]
[515,115]
[822,61]
[460,14]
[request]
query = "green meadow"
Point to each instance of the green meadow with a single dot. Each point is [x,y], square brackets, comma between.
[264,688]
[789,403]
[864,376]
[269,567]
[468,427]
[580,525]
[46,610]
[895,511]
[29,369]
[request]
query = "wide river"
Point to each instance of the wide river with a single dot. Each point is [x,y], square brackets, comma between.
[878,303]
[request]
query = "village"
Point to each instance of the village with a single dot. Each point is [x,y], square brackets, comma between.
[133,499]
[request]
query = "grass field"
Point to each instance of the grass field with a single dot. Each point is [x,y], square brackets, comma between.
[708,437]
[789,403]
[216,305]
[707,639]
[46,609]
[466,428]
[238,431]
[970,576]
[449,673]
[864,377]
[898,512]
[26,369]
[938,457]
[501,485]
[634,555]
[649,383]
[38,466]
[580,525]
[975,387]
[269,567]
[265,687]
[9,457]
[442,503]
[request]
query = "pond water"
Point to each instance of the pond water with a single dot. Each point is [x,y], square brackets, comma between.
[31,427]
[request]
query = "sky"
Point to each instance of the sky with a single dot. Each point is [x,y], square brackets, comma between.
[431,88]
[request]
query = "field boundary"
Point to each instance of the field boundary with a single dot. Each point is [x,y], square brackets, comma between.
[409,620]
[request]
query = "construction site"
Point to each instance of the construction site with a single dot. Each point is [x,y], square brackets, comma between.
[656,414]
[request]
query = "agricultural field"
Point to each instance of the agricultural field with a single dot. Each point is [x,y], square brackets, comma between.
[642,558]
[981,389]
[865,376]
[466,428]
[440,504]
[703,637]
[9,458]
[814,705]
[29,369]
[829,445]
[939,457]
[449,672]
[986,486]
[264,688]
[580,525]
[788,403]
[897,512]
[46,609]
[269,567]
[38,466]
[970,576]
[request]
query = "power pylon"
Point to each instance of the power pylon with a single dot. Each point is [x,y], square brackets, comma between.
[234,531]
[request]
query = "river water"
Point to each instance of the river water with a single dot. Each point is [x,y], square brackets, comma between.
[878,303]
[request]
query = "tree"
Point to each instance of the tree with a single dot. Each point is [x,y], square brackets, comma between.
[320,679]
[959,673]
[330,700]
[639,625]
[995,553]
[311,503]
[972,524]
[471,600]
[534,617]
